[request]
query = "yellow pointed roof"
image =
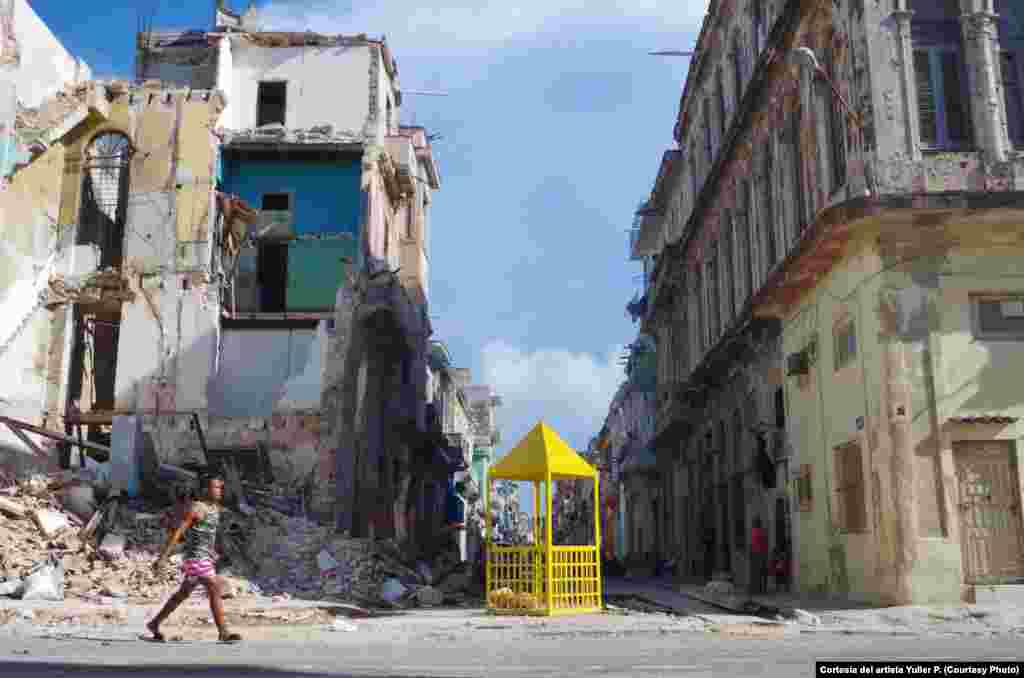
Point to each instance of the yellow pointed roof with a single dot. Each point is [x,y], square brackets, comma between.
[540,451]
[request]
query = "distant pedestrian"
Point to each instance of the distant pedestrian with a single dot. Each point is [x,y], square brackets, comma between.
[199,528]
[758,558]
[782,568]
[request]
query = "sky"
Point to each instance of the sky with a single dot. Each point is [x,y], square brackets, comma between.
[552,131]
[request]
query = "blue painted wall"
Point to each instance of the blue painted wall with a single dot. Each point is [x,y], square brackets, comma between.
[327,197]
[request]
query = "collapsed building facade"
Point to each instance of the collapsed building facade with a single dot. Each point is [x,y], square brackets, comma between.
[241,264]
[836,295]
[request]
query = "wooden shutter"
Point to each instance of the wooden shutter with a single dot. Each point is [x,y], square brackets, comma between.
[1014,102]
[926,108]
[958,119]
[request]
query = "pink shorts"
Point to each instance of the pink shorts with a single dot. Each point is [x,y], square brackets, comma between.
[198,569]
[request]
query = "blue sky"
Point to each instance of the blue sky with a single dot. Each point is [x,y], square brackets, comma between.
[553,129]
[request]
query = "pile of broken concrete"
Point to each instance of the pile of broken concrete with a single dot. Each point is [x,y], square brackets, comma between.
[106,548]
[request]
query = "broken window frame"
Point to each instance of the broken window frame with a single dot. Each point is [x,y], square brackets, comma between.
[263,115]
[107,162]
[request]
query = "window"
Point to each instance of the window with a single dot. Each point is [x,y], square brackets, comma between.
[760,26]
[805,488]
[796,160]
[835,117]
[728,268]
[767,217]
[750,242]
[701,317]
[844,341]
[711,282]
[739,508]
[851,511]
[942,98]
[276,202]
[695,187]
[1011,39]
[1013,74]
[998,316]
[709,144]
[273,276]
[738,76]
[780,408]
[940,75]
[105,179]
[270,103]
[722,111]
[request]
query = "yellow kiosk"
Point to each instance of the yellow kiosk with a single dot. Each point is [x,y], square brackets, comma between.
[542,578]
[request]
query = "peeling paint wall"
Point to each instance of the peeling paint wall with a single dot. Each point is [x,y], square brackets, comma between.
[305,69]
[921,307]
[762,219]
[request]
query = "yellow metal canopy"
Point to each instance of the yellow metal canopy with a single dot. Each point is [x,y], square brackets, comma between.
[539,452]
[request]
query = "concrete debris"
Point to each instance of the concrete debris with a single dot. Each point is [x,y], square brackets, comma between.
[108,285]
[456,582]
[112,547]
[802,617]
[428,596]
[264,553]
[320,134]
[11,508]
[50,523]
[719,587]
[12,587]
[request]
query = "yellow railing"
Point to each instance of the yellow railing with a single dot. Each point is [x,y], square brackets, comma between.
[517,583]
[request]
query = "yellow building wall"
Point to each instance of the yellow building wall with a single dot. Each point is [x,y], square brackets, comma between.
[922,303]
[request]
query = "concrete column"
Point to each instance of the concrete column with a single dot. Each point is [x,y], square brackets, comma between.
[984,77]
[902,17]
[898,397]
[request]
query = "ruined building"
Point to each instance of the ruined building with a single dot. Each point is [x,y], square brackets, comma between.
[241,261]
[837,297]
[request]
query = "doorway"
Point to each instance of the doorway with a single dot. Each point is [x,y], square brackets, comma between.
[990,512]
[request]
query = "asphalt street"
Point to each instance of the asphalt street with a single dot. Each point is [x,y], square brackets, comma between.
[482,652]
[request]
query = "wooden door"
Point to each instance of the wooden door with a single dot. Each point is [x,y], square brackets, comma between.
[990,516]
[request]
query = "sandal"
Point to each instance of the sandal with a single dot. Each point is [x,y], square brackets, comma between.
[229,638]
[157,636]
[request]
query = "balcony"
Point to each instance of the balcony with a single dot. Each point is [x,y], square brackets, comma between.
[403,155]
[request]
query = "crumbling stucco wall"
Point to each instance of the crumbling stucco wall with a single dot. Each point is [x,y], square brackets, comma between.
[918,363]
[305,69]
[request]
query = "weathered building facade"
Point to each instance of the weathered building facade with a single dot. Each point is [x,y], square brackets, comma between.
[240,261]
[837,242]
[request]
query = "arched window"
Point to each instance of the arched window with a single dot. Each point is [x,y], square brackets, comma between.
[105,196]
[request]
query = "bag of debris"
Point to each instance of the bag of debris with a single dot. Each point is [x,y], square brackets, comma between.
[45,581]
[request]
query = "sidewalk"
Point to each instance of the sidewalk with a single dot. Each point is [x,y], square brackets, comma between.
[844,616]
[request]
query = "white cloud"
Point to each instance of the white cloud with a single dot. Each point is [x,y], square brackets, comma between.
[569,391]
[458,26]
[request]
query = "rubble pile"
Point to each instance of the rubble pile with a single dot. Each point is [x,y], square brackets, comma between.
[108,552]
